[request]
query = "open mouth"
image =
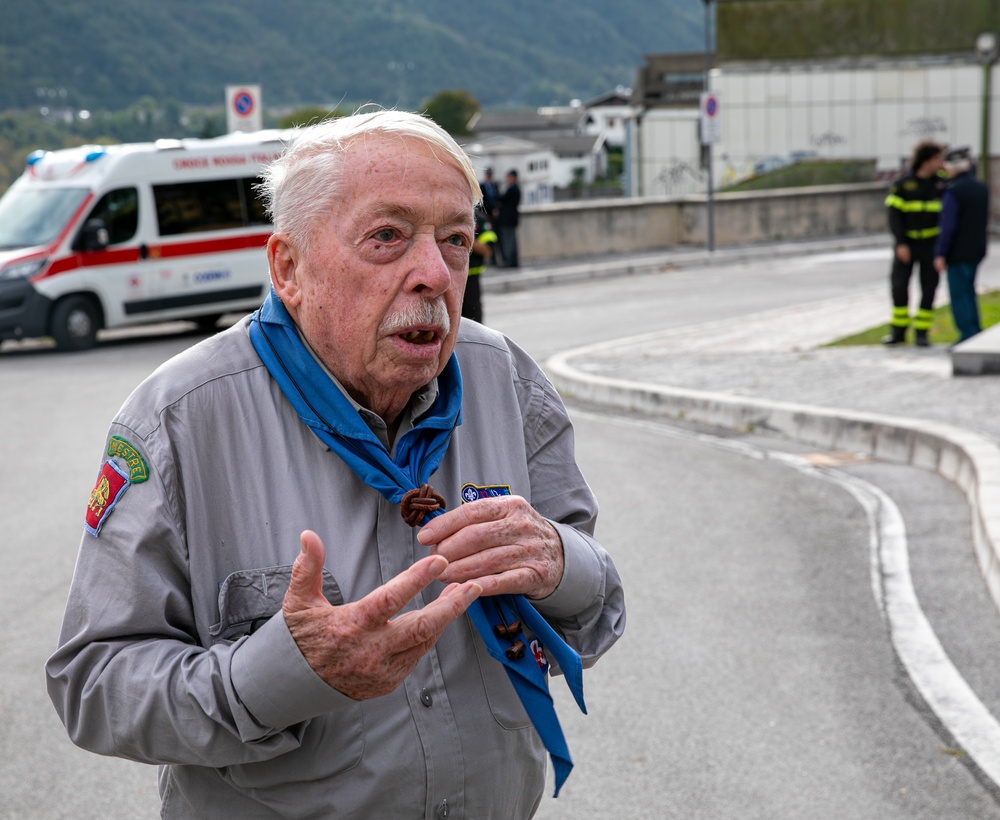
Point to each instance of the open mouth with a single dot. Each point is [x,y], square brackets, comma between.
[418,337]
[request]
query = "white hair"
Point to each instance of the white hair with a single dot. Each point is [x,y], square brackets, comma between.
[300,187]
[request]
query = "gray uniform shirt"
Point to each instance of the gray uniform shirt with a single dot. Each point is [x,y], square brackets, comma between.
[174,649]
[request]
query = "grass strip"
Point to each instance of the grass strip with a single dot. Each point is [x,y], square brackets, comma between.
[943,330]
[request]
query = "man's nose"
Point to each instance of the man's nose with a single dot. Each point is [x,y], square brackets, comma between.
[431,275]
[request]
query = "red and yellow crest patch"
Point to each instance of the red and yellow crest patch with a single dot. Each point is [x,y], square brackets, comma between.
[111,484]
[113,481]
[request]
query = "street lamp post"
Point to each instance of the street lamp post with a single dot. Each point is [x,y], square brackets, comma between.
[987,50]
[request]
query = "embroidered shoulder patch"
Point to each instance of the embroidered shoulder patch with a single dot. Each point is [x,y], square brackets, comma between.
[137,470]
[473,492]
[111,485]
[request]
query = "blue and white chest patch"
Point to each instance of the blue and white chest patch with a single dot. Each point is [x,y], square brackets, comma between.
[473,492]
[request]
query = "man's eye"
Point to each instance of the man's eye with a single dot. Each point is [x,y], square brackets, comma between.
[456,239]
[385,235]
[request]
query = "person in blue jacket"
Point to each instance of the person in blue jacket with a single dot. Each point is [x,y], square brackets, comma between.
[961,244]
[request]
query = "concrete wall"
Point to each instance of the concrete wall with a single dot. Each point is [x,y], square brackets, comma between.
[837,110]
[652,223]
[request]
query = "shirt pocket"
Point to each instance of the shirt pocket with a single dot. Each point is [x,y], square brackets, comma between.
[330,744]
[249,598]
[506,706]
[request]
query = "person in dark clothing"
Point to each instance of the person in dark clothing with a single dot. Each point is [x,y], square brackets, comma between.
[914,207]
[508,216]
[491,194]
[961,244]
[482,249]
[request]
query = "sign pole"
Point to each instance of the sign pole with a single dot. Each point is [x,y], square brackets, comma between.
[711,214]
[710,244]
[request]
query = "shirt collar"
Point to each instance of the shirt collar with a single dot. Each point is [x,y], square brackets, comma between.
[420,402]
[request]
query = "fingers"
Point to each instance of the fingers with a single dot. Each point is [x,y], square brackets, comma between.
[389,599]
[485,509]
[420,629]
[359,648]
[501,543]
[305,589]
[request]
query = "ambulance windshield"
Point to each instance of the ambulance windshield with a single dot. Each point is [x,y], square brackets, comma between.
[35,216]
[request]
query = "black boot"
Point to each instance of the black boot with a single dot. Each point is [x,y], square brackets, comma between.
[897,336]
[921,339]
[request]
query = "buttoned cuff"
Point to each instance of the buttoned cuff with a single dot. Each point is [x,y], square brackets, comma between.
[276,684]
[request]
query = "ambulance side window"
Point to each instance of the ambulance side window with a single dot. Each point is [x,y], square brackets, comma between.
[119,211]
[208,205]
[193,207]
[256,209]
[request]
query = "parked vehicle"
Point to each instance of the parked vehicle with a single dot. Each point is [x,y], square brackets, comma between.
[109,236]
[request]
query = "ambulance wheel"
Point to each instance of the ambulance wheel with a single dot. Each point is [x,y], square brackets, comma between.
[75,322]
[208,323]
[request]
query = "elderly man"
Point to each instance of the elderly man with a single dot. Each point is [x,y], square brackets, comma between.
[250,609]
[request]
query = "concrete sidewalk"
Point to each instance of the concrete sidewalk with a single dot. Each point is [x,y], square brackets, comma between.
[898,404]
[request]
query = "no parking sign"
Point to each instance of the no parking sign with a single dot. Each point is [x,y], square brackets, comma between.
[243,109]
[711,124]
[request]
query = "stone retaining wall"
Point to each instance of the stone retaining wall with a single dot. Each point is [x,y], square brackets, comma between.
[570,229]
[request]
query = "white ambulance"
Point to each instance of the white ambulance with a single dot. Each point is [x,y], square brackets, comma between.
[108,236]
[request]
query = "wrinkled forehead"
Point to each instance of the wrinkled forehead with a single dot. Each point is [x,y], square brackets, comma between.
[385,152]
[389,173]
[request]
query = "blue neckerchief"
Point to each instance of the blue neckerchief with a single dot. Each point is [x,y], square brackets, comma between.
[327,412]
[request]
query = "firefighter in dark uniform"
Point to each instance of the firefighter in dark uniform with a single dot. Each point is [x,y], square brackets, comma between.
[914,207]
[482,249]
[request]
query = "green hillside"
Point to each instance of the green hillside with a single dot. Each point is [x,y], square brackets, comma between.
[806,29]
[107,54]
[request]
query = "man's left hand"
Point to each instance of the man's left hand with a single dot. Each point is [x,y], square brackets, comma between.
[501,543]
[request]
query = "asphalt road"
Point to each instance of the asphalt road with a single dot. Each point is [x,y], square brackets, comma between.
[756,678]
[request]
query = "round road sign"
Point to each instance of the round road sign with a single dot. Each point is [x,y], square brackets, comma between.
[243,103]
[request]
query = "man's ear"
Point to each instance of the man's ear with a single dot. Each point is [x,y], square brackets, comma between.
[283,262]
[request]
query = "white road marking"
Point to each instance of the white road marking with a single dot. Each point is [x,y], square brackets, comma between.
[928,666]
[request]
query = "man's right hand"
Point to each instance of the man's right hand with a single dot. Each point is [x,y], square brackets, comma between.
[903,253]
[360,648]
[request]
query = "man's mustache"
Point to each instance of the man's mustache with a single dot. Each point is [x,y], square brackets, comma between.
[421,314]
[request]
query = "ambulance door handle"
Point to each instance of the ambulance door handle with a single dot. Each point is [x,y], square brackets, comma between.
[143,251]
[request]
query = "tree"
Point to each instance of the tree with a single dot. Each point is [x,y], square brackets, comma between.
[452,110]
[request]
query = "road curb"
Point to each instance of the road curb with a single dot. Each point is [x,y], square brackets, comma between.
[565,271]
[969,460]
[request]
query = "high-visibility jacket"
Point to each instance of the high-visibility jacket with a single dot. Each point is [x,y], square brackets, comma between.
[914,208]
[485,236]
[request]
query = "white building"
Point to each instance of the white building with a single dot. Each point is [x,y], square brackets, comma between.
[859,110]
[663,155]
[608,116]
[776,113]
[535,164]
[549,147]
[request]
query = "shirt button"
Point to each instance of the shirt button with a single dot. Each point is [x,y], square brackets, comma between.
[427,700]
[442,810]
